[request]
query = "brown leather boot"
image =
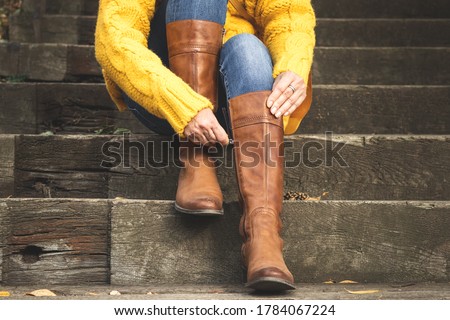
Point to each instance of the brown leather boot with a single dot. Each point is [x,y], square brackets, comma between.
[198,189]
[194,47]
[259,161]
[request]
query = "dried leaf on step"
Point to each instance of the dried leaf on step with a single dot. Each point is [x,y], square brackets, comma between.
[329,282]
[92,294]
[41,293]
[348,282]
[4,294]
[114,293]
[363,291]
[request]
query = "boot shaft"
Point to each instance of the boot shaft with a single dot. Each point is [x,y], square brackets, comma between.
[194,47]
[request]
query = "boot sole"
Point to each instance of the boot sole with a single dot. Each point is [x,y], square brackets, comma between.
[270,284]
[199,212]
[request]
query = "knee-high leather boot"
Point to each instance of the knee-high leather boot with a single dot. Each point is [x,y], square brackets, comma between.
[194,47]
[259,161]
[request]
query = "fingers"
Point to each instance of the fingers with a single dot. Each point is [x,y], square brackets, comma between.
[291,104]
[205,129]
[221,135]
[288,93]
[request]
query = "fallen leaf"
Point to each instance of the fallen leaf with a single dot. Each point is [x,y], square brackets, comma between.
[41,293]
[114,293]
[150,293]
[348,282]
[4,294]
[92,294]
[363,291]
[313,199]
[329,282]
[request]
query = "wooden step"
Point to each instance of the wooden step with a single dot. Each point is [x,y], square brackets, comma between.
[364,66]
[345,167]
[305,291]
[381,9]
[329,32]
[323,8]
[70,108]
[81,241]
[73,7]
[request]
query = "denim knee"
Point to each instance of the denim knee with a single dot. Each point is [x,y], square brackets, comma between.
[246,65]
[209,10]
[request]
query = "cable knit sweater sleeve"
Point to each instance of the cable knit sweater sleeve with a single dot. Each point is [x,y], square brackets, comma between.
[121,49]
[288,27]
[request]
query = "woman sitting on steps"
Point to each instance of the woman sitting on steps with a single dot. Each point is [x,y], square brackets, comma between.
[162,59]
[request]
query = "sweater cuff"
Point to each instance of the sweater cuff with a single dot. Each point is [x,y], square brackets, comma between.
[301,67]
[180,111]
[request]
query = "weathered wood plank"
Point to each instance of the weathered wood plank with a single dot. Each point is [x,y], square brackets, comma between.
[387,66]
[84,7]
[74,172]
[58,29]
[346,167]
[198,251]
[323,8]
[329,32]
[412,238]
[81,62]
[306,291]
[3,213]
[17,108]
[59,6]
[381,9]
[47,62]
[7,164]
[9,63]
[323,240]
[379,109]
[382,33]
[85,108]
[80,108]
[56,242]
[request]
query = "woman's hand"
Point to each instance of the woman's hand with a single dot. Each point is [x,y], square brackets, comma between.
[205,129]
[288,93]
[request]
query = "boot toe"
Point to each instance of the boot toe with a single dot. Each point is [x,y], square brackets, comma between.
[201,205]
[271,279]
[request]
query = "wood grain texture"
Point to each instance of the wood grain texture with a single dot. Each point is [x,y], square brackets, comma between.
[401,32]
[381,9]
[358,240]
[7,164]
[77,7]
[378,110]
[379,167]
[17,108]
[3,230]
[152,244]
[369,242]
[75,29]
[323,8]
[386,66]
[81,108]
[305,291]
[55,242]
[70,108]
[368,66]
[75,171]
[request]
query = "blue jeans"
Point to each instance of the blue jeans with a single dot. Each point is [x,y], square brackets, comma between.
[245,64]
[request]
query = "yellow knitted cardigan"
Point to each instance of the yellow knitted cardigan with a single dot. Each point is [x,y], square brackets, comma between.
[127,64]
